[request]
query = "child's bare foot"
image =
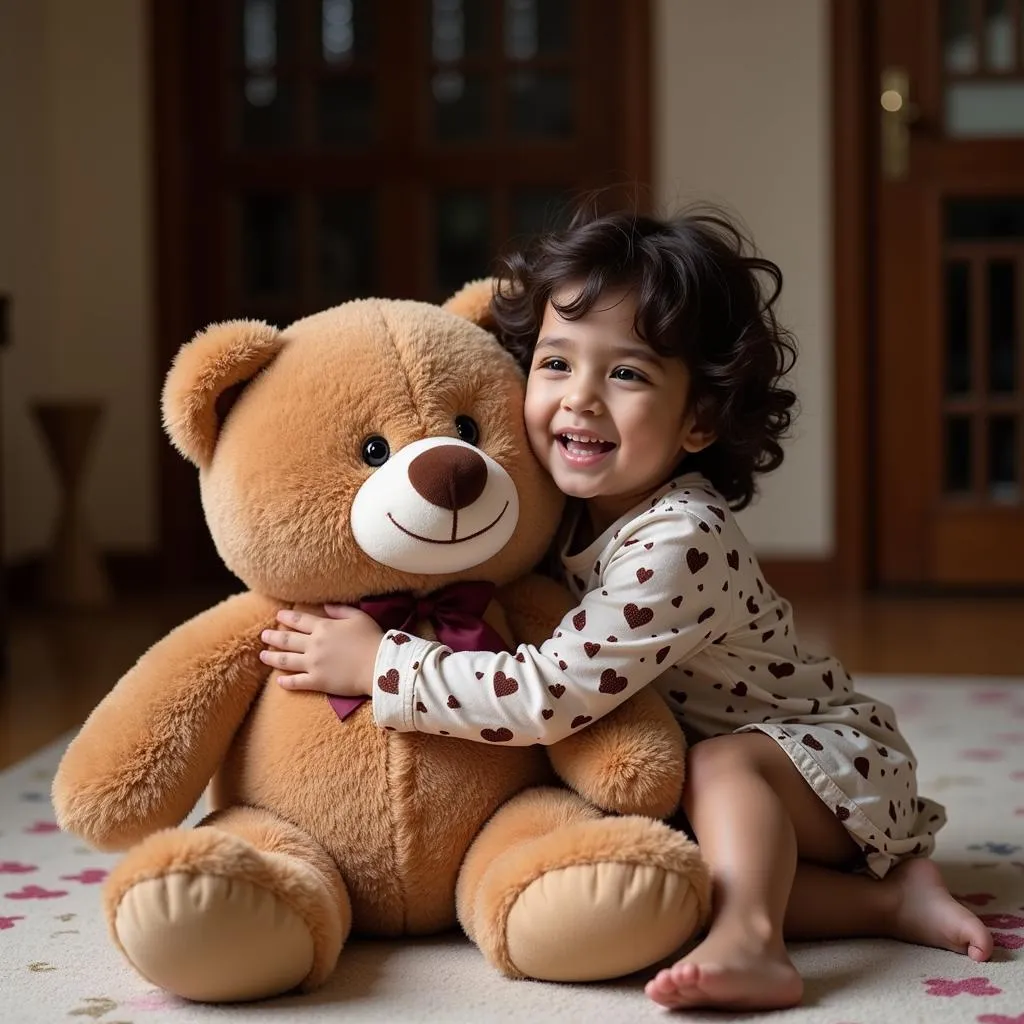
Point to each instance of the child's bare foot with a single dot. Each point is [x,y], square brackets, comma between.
[927,914]
[729,970]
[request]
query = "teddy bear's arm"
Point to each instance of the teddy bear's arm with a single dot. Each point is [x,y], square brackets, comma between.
[632,760]
[144,755]
[534,606]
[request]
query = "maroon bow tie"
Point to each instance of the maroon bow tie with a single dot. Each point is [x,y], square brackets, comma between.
[455,611]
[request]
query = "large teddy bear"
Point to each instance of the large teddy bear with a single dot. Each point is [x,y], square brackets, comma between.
[376,448]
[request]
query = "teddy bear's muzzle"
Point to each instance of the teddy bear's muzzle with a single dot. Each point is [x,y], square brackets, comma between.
[437,506]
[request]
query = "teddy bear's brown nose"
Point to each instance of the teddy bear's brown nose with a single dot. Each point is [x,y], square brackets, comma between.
[448,476]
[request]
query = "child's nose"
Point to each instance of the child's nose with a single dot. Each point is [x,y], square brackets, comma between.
[582,399]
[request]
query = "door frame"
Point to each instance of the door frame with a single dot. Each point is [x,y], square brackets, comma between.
[178,511]
[854,330]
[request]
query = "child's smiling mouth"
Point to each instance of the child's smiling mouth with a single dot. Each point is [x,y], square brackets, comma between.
[583,449]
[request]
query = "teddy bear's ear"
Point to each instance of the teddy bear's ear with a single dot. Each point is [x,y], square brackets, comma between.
[207,377]
[473,301]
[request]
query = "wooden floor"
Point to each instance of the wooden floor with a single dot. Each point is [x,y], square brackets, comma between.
[61,664]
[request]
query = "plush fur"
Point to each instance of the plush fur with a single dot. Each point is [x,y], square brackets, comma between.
[321,826]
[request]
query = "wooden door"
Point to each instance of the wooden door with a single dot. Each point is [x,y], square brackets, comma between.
[312,151]
[949,277]
[5,604]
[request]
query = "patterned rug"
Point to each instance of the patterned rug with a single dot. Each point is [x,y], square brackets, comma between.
[57,964]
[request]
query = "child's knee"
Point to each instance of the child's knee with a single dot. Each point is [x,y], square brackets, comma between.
[712,761]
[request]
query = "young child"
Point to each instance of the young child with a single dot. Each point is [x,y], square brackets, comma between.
[654,399]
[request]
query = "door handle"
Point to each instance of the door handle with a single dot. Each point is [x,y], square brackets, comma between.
[898,115]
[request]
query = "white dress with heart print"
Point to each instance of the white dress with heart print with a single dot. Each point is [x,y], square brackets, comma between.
[672,595]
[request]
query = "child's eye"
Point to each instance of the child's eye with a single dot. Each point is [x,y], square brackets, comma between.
[625,373]
[559,365]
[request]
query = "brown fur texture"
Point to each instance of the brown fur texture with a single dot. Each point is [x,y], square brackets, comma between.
[473,301]
[555,830]
[339,822]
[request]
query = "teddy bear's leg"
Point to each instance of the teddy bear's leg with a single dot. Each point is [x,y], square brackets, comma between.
[244,906]
[552,889]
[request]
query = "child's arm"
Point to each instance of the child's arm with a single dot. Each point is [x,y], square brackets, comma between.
[662,597]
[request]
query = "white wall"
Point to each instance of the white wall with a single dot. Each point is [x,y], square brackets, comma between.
[74,255]
[742,118]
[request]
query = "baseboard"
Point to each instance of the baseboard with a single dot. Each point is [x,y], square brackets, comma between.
[801,576]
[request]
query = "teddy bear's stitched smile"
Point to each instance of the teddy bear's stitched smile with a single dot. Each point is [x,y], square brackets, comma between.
[455,529]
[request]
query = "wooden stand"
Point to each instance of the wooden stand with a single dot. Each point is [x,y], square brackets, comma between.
[73,574]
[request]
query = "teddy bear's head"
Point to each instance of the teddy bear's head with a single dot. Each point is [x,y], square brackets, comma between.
[373,447]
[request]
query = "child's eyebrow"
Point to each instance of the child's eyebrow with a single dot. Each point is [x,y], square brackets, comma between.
[637,352]
[553,341]
[619,351]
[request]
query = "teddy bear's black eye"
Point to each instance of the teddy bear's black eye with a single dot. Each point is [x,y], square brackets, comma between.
[376,451]
[467,429]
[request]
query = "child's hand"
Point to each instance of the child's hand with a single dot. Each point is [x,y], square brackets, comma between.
[335,655]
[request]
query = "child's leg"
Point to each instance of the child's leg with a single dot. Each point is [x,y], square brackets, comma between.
[755,817]
[911,903]
[752,813]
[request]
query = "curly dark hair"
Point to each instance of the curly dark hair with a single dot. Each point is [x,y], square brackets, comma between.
[702,295]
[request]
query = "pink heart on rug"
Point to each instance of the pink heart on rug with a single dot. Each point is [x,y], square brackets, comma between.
[1000,1018]
[35,892]
[155,1000]
[961,986]
[90,876]
[1008,940]
[990,696]
[8,922]
[1002,920]
[42,828]
[12,867]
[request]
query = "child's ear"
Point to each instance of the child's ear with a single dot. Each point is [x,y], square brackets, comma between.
[697,430]
[206,379]
[697,440]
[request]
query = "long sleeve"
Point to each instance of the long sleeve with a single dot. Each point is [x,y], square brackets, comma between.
[661,596]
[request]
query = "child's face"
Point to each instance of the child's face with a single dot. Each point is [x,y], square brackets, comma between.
[606,415]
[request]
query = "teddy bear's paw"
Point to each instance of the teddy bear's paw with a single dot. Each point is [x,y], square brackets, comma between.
[213,939]
[595,900]
[599,921]
[208,917]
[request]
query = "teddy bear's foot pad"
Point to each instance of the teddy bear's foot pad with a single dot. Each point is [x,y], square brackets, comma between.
[213,939]
[599,921]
